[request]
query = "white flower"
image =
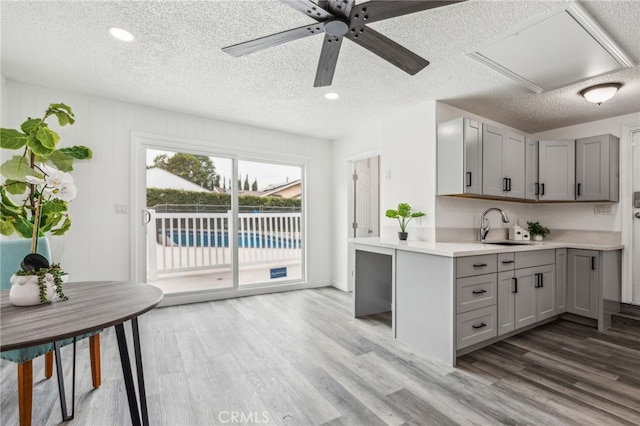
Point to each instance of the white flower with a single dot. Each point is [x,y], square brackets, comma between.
[34,180]
[65,191]
[56,184]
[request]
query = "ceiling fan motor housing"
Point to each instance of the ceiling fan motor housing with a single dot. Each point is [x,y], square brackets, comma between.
[336,27]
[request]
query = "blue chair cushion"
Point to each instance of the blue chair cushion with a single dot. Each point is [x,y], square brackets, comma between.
[11,254]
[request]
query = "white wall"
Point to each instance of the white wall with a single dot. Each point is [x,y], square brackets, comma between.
[98,246]
[405,142]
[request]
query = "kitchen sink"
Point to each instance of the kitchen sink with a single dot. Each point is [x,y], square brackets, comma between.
[510,243]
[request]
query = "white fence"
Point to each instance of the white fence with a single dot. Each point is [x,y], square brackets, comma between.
[179,242]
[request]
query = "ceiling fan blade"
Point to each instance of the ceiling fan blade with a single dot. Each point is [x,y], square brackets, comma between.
[340,8]
[388,50]
[328,60]
[272,40]
[310,9]
[377,10]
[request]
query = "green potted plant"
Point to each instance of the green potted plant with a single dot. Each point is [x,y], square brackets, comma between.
[537,231]
[39,178]
[404,215]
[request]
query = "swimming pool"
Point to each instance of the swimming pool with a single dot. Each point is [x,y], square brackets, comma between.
[221,239]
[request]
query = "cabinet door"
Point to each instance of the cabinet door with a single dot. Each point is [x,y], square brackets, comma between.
[507,287]
[582,282]
[546,292]
[592,168]
[532,188]
[561,280]
[556,167]
[525,298]
[513,167]
[472,156]
[492,159]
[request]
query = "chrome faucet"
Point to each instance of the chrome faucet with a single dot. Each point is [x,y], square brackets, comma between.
[484,222]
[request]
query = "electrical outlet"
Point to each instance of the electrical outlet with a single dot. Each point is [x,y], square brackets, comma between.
[602,209]
[121,209]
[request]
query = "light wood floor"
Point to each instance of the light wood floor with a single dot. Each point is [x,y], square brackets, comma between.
[299,358]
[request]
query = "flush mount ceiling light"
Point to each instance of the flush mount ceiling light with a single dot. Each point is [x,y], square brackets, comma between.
[600,93]
[331,95]
[121,34]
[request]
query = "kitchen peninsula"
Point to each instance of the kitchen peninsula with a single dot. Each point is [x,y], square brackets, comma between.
[449,298]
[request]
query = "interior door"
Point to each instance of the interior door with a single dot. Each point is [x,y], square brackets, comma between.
[366,200]
[635,279]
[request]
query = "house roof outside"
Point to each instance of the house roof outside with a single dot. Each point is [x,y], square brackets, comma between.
[285,190]
[163,179]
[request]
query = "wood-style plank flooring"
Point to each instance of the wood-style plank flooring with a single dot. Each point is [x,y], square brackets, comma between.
[300,358]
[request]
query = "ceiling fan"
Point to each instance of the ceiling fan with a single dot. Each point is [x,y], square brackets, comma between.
[338,19]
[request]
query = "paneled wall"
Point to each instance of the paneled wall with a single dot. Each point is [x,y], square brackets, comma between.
[98,246]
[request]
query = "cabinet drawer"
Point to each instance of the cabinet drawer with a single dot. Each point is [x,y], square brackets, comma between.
[529,259]
[476,326]
[505,262]
[476,265]
[476,292]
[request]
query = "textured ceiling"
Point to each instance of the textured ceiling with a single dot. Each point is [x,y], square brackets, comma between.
[176,62]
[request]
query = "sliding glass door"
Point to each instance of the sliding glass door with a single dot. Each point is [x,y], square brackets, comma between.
[219,223]
[270,227]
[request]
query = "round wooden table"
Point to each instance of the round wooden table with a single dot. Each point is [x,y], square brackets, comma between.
[92,306]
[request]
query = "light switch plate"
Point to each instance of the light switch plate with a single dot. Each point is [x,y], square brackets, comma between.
[122,209]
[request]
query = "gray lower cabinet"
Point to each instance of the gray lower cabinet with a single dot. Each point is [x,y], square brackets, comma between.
[561,280]
[583,282]
[527,295]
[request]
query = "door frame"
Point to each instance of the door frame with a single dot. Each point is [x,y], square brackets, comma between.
[350,209]
[629,294]
[140,142]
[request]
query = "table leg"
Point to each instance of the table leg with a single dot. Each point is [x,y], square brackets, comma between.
[128,374]
[63,398]
[140,372]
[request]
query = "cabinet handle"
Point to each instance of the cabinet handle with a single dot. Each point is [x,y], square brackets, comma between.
[514,280]
[509,184]
[537,189]
[537,284]
[479,291]
[479,325]
[593,262]
[542,191]
[541,280]
[479,265]
[468,178]
[504,184]
[506,262]
[579,192]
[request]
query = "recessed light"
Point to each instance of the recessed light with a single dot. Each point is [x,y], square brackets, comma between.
[331,95]
[121,34]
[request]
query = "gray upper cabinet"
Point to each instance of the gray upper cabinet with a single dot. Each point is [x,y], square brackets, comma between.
[460,157]
[597,168]
[556,169]
[502,163]
[531,185]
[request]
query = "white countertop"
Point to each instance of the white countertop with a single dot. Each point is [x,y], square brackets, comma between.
[471,248]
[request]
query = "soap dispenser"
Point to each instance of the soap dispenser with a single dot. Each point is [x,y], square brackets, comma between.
[515,233]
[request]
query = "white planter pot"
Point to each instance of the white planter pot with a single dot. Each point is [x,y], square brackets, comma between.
[26,292]
[537,238]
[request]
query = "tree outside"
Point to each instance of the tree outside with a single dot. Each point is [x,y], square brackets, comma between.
[198,169]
